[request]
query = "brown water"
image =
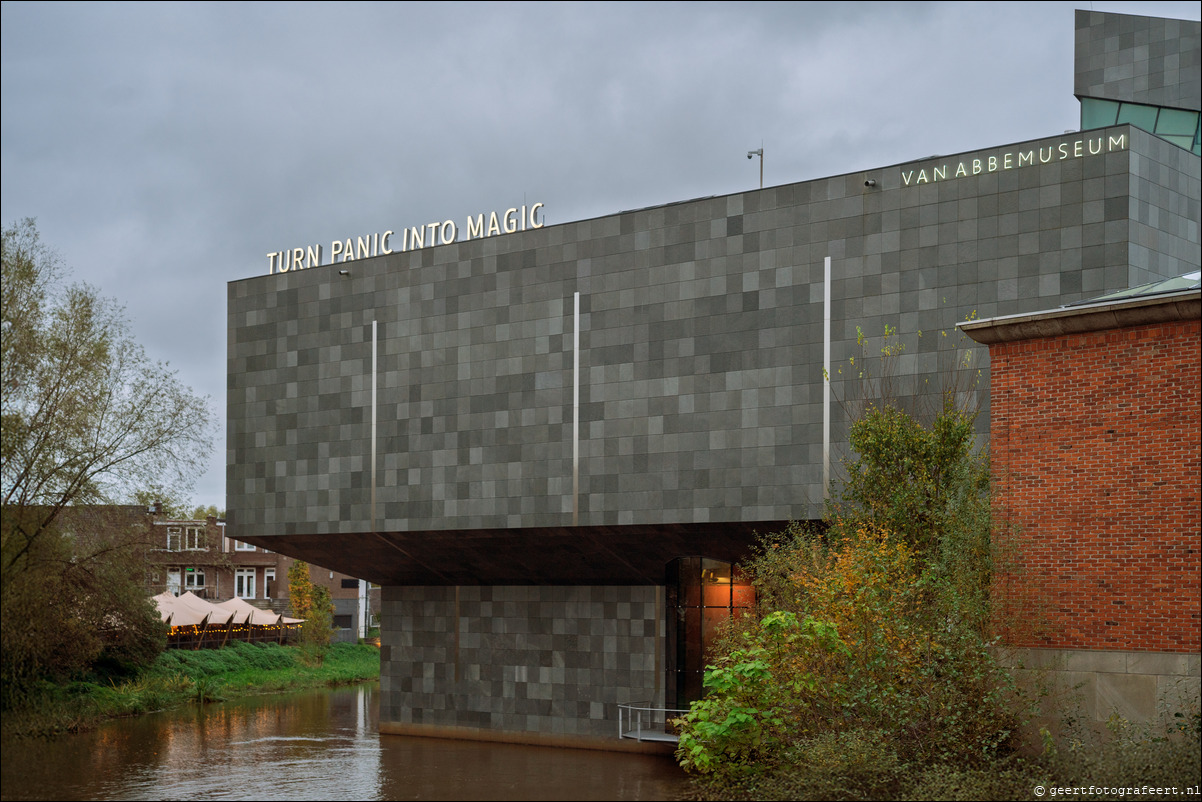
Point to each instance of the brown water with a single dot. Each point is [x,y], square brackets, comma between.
[317,745]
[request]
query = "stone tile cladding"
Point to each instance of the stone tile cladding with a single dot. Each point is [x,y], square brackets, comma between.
[1096,452]
[1160,240]
[700,346]
[1092,685]
[551,660]
[1141,59]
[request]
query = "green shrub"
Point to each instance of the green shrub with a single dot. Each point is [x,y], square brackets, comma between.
[758,694]
[873,628]
[865,647]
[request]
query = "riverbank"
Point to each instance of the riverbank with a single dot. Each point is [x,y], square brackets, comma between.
[1132,764]
[180,677]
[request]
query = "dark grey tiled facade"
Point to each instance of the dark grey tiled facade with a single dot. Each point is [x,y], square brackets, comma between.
[700,345]
[554,660]
[1139,59]
[701,384]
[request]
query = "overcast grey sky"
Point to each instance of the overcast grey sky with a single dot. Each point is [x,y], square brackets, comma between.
[165,149]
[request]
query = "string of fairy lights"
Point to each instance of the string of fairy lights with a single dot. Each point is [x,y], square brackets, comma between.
[192,633]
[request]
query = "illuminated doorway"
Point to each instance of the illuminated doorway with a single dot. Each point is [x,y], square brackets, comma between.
[701,595]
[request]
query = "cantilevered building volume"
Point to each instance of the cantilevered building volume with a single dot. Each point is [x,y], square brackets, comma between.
[538,438]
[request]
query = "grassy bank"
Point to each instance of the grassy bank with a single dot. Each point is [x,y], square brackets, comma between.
[179,678]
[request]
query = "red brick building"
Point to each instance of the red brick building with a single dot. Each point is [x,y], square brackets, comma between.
[202,557]
[1097,451]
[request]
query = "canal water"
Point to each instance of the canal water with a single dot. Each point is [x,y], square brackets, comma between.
[314,745]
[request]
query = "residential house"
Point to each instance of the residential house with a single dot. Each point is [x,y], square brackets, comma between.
[200,556]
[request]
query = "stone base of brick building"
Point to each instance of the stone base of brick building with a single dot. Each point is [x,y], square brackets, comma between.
[1093,694]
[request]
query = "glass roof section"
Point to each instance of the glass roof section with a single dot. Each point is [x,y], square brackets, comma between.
[1190,281]
[1179,126]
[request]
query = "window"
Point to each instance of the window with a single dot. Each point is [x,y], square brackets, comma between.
[1098,113]
[194,538]
[240,546]
[343,622]
[244,583]
[174,584]
[1138,115]
[190,538]
[268,582]
[350,583]
[1182,127]
[194,579]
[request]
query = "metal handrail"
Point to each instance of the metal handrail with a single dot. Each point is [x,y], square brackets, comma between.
[631,717]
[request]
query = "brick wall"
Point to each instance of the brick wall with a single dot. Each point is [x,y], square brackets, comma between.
[1095,443]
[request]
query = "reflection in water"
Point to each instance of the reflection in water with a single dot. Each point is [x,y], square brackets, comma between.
[421,768]
[319,745]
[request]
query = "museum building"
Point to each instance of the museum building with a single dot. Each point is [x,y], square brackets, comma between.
[549,443]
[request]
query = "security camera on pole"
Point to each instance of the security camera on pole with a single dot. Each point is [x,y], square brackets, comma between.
[760,153]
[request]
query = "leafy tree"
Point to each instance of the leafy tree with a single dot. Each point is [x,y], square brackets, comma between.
[171,506]
[929,486]
[312,603]
[315,632]
[200,513]
[80,601]
[300,589]
[86,419]
[900,476]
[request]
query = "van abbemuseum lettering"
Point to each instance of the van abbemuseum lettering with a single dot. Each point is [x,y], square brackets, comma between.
[1019,158]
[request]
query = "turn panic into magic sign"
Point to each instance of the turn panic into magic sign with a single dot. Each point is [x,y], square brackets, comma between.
[407,239]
